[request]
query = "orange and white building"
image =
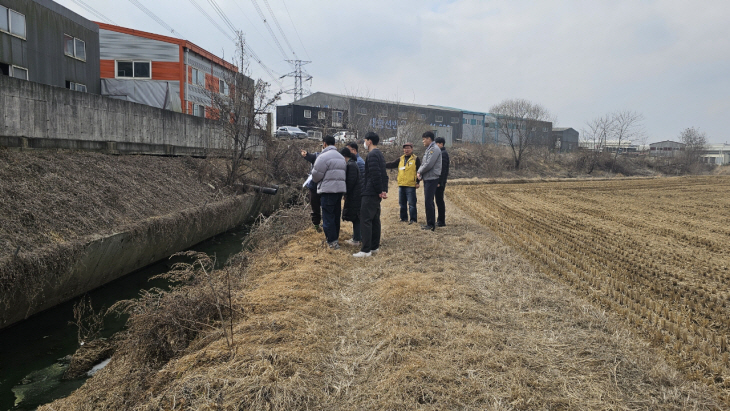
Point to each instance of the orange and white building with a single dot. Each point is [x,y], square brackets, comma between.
[161,71]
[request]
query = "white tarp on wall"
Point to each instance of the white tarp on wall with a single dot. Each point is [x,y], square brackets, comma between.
[159,94]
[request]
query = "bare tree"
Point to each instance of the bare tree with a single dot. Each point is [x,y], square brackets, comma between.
[241,109]
[627,125]
[594,137]
[518,121]
[695,142]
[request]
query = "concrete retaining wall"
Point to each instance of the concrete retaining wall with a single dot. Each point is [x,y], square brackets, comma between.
[34,115]
[105,258]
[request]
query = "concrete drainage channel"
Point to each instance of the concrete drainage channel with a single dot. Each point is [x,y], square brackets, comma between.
[30,369]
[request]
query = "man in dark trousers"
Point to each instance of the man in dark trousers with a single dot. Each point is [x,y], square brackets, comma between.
[440,205]
[429,172]
[374,190]
[316,213]
[407,165]
[329,173]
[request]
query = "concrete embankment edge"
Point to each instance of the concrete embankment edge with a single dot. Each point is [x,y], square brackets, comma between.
[41,285]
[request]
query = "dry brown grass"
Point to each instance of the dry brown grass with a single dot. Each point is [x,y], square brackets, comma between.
[454,319]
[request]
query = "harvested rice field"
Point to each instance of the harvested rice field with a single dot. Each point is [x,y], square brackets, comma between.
[478,315]
[655,252]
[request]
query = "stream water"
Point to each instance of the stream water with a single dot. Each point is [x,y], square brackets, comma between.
[32,351]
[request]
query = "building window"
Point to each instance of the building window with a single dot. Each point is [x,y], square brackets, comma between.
[133,69]
[198,77]
[454,120]
[464,121]
[80,49]
[362,110]
[223,87]
[12,22]
[422,117]
[337,118]
[4,69]
[76,86]
[439,119]
[198,110]
[403,115]
[307,113]
[74,47]
[321,115]
[19,72]
[473,122]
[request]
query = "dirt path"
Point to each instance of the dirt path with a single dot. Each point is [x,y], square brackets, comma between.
[446,320]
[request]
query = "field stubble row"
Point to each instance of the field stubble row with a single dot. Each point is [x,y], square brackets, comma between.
[654,251]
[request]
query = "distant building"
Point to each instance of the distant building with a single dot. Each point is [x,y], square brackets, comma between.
[565,139]
[44,42]
[666,149]
[390,118]
[317,120]
[495,126]
[161,71]
[717,154]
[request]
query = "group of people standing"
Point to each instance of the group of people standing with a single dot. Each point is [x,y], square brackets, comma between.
[364,184]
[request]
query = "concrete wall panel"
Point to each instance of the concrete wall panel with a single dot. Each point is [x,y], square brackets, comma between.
[37,111]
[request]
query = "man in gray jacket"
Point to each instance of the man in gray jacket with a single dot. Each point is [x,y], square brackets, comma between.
[328,173]
[430,172]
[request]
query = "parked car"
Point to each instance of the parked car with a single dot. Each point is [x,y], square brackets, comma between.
[290,132]
[344,136]
[389,141]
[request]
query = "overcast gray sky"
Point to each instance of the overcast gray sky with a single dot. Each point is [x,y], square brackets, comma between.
[669,60]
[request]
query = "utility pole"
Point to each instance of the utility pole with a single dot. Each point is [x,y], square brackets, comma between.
[300,77]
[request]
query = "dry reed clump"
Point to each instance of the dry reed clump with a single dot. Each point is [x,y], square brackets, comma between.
[448,320]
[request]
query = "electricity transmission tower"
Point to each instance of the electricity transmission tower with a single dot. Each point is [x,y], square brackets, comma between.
[300,77]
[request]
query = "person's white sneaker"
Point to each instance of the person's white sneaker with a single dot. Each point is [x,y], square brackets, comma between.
[352,242]
[362,254]
[377,250]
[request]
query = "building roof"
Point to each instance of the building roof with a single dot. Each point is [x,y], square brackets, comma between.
[184,43]
[668,141]
[373,100]
[478,113]
[562,128]
[63,11]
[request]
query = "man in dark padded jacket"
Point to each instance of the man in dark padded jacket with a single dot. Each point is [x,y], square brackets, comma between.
[440,205]
[374,190]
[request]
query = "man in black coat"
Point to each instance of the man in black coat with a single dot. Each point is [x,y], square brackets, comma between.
[353,196]
[375,190]
[440,205]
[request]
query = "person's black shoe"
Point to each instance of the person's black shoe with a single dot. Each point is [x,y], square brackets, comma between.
[428,227]
[404,221]
[440,224]
[411,222]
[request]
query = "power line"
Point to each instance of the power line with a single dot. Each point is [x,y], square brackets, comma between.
[247,48]
[295,29]
[154,17]
[213,22]
[268,27]
[273,16]
[94,12]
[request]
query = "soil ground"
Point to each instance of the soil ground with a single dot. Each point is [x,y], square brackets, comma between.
[453,319]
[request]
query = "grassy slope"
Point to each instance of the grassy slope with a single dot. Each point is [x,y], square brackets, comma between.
[446,320]
[51,197]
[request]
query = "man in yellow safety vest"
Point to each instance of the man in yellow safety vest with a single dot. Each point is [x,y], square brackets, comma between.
[407,166]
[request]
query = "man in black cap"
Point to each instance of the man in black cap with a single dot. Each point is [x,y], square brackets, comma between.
[440,205]
[407,166]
